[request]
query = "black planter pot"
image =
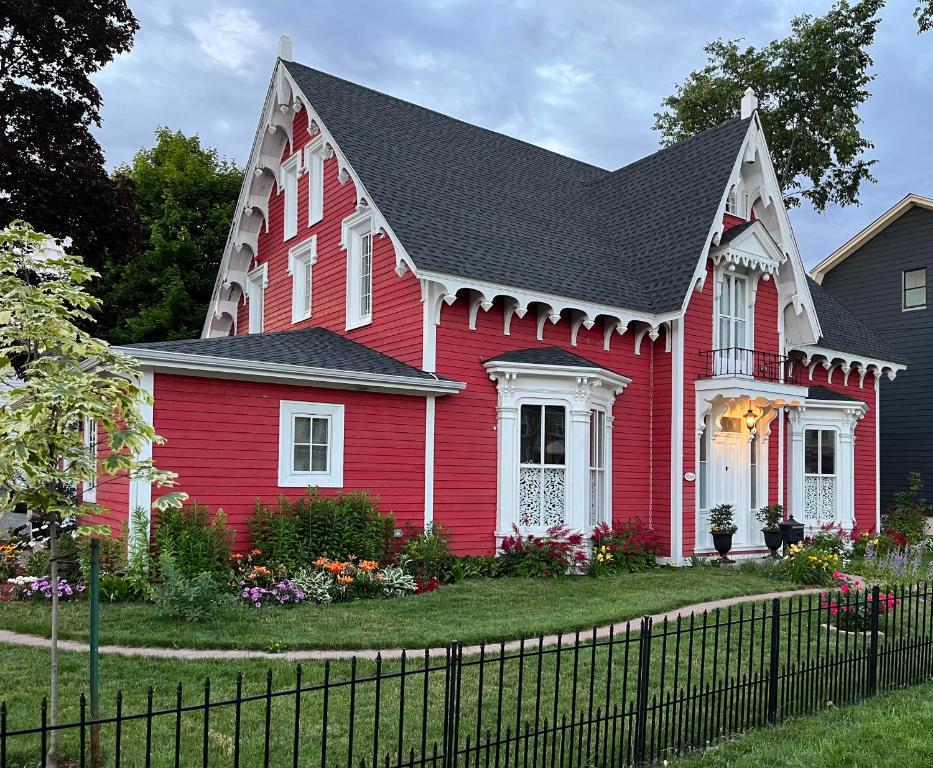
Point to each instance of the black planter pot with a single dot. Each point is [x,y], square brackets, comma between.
[723,544]
[773,541]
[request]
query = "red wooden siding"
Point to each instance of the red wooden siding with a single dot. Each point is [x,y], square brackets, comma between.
[466,445]
[222,440]
[866,501]
[767,338]
[697,339]
[113,492]
[396,327]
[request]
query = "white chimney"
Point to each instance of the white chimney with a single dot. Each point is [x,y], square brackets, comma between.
[749,103]
[285,49]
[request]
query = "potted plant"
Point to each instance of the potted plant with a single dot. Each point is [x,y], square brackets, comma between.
[770,517]
[722,526]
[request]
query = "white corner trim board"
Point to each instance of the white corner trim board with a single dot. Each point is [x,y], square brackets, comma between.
[140,492]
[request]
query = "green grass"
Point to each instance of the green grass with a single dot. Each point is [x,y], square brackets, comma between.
[890,730]
[471,611]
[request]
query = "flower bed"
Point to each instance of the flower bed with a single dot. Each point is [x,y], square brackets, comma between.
[853,613]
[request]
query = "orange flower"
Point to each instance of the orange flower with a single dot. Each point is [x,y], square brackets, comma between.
[321,562]
[336,567]
[236,556]
[368,565]
[255,552]
[345,579]
[260,570]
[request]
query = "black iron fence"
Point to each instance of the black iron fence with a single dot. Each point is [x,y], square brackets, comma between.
[651,691]
[753,363]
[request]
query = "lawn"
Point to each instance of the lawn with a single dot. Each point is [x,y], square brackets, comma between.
[471,611]
[890,730]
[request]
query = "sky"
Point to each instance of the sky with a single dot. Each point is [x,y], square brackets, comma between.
[581,77]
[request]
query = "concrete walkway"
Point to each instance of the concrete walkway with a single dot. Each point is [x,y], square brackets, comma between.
[195,654]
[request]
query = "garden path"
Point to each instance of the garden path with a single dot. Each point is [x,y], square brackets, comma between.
[35,641]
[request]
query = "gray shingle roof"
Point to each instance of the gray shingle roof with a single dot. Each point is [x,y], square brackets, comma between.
[544,356]
[308,347]
[823,393]
[473,203]
[844,332]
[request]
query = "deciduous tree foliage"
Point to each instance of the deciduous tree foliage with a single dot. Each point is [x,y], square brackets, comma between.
[53,377]
[184,197]
[810,85]
[51,166]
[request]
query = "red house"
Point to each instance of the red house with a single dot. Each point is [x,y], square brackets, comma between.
[483,333]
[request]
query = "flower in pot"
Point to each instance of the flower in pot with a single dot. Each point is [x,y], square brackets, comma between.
[722,526]
[770,518]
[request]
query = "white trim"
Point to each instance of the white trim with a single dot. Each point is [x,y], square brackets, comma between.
[848,360]
[429,411]
[256,281]
[89,489]
[677,444]
[873,229]
[877,454]
[289,173]
[431,296]
[223,367]
[301,260]
[140,492]
[314,165]
[288,477]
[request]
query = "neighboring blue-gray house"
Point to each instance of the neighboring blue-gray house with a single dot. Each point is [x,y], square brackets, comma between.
[881,275]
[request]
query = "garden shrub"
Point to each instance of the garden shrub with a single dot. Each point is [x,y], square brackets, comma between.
[908,514]
[548,556]
[428,554]
[474,567]
[624,547]
[810,565]
[830,538]
[192,598]
[197,541]
[9,559]
[894,565]
[297,532]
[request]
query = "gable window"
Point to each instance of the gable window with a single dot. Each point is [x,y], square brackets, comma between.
[310,445]
[301,259]
[289,183]
[89,488]
[314,163]
[915,288]
[542,478]
[732,204]
[732,355]
[358,241]
[255,295]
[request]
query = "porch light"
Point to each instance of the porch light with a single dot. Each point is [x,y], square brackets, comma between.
[750,419]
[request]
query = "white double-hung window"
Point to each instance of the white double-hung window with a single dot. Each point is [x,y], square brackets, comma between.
[289,184]
[256,282]
[301,259]
[358,241]
[314,165]
[732,341]
[310,444]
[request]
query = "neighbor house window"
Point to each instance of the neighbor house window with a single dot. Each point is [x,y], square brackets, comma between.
[915,288]
[542,479]
[310,445]
[819,489]
[289,182]
[301,259]
[255,290]
[358,240]
[89,490]
[314,164]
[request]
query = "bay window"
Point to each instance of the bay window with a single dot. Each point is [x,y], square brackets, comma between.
[542,473]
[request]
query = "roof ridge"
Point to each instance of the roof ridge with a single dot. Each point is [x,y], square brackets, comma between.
[460,120]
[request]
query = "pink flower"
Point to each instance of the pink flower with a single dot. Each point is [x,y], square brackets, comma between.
[844,588]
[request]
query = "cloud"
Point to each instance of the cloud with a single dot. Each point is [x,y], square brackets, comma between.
[231,37]
[563,74]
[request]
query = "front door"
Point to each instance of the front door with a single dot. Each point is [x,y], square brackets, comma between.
[731,479]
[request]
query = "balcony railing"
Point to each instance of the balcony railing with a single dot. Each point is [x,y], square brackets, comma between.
[751,363]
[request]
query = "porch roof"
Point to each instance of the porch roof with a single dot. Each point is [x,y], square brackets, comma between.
[819,392]
[545,356]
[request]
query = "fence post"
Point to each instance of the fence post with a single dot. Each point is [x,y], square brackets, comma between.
[873,647]
[773,669]
[450,705]
[641,706]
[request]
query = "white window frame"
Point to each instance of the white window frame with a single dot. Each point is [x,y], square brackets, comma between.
[314,165]
[353,231]
[599,469]
[89,489]
[904,289]
[257,279]
[289,410]
[288,181]
[301,260]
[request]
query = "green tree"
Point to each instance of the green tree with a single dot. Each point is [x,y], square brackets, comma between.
[810,85]
[184,196]
[54,376]
[923,13]
[51,167]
